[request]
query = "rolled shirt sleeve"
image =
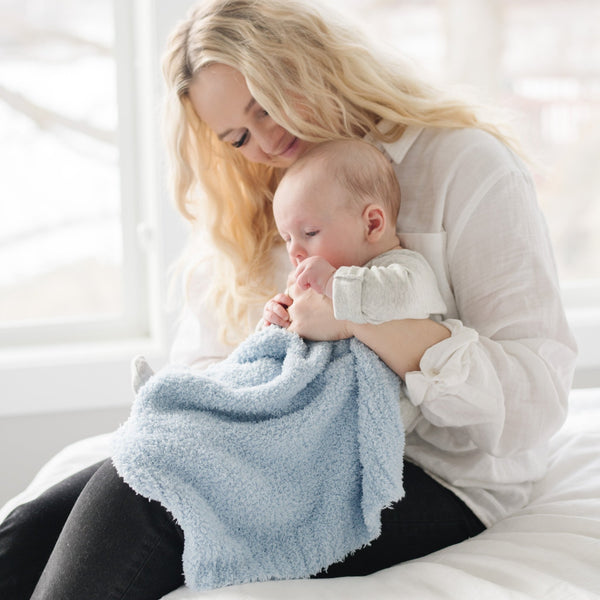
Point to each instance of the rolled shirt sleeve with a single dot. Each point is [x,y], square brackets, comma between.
[504,375]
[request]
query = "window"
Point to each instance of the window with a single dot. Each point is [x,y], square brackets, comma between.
[84,274]
[63,232]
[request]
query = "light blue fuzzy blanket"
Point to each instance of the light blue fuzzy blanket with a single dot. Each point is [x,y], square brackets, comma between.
[275,462]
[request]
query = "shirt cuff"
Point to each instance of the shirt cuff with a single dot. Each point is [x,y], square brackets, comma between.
[347,294]
[456,386]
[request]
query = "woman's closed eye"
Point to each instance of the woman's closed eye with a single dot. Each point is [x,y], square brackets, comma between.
[261,113]
[242,140]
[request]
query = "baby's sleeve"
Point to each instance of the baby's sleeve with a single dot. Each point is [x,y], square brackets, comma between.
[398,285]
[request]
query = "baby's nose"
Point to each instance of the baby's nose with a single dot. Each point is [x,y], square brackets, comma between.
[297,254]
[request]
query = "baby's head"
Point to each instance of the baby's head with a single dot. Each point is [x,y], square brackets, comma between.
[339,201]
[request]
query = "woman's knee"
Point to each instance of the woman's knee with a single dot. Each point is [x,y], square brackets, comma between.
[29,533]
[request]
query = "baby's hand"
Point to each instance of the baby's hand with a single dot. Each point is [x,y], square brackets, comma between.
[316,273]
[275,311]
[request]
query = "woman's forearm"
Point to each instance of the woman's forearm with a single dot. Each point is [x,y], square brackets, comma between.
[401,344]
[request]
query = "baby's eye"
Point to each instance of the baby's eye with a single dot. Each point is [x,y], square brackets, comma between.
[311,233]
[239,143]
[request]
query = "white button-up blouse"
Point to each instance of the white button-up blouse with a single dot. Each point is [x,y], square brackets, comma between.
[490,396]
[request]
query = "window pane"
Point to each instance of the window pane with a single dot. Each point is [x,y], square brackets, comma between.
[60,231]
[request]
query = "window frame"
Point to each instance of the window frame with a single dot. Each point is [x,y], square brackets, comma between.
[133,318]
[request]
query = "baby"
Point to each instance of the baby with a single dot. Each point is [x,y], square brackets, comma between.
[336,209]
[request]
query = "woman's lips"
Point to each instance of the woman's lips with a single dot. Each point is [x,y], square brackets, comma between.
[290,150]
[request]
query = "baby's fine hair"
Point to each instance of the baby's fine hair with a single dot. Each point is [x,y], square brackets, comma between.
[360,168]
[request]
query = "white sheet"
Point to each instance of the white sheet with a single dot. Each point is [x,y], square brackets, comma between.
[548,550]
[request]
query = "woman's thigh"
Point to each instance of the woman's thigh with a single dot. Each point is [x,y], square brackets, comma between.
[428,518]
[115,544]
[135,544]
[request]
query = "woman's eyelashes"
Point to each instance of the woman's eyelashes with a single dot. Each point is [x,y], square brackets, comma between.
[239,143]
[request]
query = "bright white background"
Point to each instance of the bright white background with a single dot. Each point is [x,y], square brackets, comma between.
[87,231]
[56,389]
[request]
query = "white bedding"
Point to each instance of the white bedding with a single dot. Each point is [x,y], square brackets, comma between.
[548,550]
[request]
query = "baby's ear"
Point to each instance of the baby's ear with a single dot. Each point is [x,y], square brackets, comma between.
[375,222]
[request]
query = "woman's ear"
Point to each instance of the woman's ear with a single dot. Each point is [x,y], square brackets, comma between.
[374,219]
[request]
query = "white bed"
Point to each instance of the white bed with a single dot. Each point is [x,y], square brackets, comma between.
[549,550]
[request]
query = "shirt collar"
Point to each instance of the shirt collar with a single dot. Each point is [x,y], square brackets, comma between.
[396,150]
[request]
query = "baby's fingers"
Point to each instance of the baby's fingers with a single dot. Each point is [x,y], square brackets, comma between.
[276,314]
[283,299]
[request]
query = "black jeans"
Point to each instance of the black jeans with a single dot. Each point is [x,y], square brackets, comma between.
[93,537]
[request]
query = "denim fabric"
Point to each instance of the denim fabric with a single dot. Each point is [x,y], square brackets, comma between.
[116,544]
[29,533]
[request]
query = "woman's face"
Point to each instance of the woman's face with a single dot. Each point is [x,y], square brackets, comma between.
[221,99]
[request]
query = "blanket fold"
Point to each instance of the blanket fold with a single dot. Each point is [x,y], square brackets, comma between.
[276,462]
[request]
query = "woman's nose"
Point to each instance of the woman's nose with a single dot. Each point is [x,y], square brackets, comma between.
[268,136]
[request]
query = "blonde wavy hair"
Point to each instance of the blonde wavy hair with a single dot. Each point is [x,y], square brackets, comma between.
[318,79]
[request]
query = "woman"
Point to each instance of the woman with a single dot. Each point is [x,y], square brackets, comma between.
[251,86]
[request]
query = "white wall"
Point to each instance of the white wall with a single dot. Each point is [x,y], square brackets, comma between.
[28,441]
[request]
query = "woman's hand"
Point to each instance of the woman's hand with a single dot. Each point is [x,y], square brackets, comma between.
[275,311]
[312,317]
